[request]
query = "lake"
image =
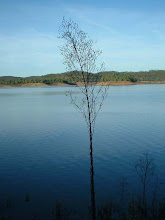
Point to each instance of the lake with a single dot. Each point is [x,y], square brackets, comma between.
[44,149]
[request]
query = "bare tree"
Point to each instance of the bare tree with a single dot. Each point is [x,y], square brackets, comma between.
[145,169]
[80,58]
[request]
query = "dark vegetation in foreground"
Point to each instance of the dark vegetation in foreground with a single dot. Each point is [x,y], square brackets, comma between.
[143,206]
[67,78]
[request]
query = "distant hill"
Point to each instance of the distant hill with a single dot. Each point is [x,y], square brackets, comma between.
[73,77]
[7,78]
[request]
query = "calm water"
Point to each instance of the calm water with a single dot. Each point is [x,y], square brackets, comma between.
[44,149]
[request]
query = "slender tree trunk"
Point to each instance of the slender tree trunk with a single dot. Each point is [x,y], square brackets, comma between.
[92,179]
[93,205]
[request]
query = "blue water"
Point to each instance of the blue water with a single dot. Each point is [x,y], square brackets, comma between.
[44,149]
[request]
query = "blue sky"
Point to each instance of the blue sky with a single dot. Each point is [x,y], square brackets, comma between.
[131,34]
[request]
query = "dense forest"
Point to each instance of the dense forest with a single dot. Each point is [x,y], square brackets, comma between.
[73,77]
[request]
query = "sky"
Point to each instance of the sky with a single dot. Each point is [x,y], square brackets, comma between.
[130,33]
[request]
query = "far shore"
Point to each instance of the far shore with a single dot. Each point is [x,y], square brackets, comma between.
[109,83]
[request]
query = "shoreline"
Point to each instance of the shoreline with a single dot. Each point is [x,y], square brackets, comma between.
[109,83]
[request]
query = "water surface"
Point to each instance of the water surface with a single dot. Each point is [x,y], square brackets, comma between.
[44,148]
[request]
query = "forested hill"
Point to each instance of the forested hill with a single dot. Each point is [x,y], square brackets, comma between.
[67,78]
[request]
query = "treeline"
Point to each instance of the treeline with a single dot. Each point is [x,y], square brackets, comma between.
[73,77]
[152,75]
